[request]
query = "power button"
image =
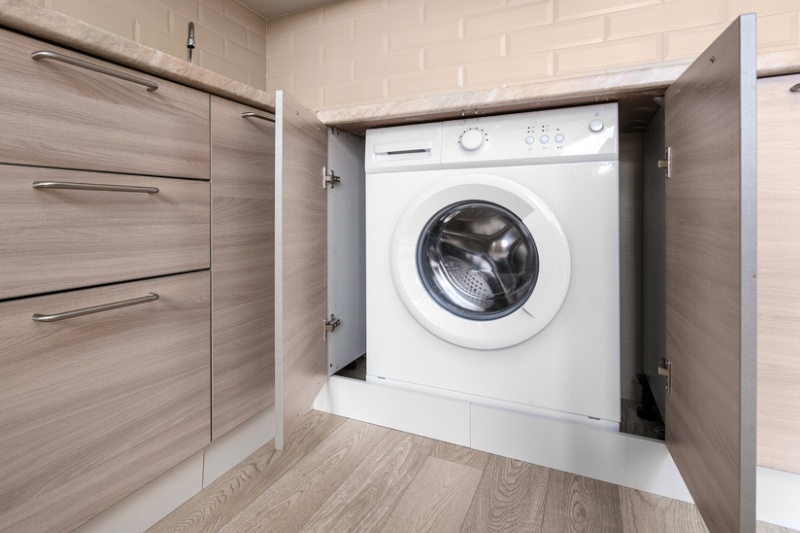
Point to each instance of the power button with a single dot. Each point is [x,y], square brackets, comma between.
[596,126]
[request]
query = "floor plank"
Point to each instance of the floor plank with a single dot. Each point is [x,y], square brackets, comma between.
[581,504]
[510,498]
[460,454]
[369,494]
[211,509]
[291,501]
[643,512]
[437,499]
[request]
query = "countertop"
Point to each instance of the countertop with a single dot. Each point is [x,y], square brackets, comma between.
[636,87]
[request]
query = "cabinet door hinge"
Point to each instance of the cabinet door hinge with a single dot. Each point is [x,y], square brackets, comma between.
[329,178]
[667,163]
[329,326]
[665,369]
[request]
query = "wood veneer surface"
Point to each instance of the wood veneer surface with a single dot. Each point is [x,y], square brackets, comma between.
[96,406]
[778,274]
[337,474]
[242,264]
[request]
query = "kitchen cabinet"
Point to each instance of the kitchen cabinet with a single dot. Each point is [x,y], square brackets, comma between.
[68,115]
[95,406]
[710,257]
[242,266]
[105,292]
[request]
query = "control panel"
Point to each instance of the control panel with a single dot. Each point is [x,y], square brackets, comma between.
[583,133]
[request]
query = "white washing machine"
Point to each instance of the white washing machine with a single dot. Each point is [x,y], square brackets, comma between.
[493,261]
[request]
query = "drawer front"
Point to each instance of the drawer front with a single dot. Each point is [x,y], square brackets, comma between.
[54,239]
[95,406]
[60,115]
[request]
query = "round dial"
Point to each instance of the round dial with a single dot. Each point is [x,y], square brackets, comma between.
[471,140]
[596,125]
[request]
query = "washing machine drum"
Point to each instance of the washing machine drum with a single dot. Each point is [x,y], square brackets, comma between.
[481,261]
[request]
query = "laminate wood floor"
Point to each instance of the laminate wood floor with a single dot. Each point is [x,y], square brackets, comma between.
[342,475]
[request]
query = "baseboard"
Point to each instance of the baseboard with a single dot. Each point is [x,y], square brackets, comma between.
[157,499]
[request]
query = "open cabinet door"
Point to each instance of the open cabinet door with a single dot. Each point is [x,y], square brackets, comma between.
[710,278]
[301,359]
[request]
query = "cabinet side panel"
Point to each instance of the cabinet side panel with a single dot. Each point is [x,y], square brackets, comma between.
[778,274]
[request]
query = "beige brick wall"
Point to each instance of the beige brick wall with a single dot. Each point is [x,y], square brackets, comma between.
[230,39]
[366,51]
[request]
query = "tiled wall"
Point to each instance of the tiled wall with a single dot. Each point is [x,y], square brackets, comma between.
[362,51]
[230,39]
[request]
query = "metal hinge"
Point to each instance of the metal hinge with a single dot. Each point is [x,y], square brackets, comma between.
[665,369]
[667,163]
[329,178]
[329,326]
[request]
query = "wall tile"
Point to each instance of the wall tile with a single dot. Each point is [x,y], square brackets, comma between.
[671,16]
[637,51]
[462,52]
[244,15]
[499,73]
[259,81]
[398,3]
[571,9]
[558,35]
[285,64]
[257,43]
[188,8]
[331,74]
[421,36]
[309,98]
[284,82]
[426,82]
[98,15]
[777,30]
[682,44]
[322,35]
[371,46]
[160,40]
[301,20]
[280,44]
[219,5]
[340,11]
[241,55]
[455,9]
[507,20]
[385,21]
[214,20]
[762,7]
[359,92]
[387,65]
[222,66]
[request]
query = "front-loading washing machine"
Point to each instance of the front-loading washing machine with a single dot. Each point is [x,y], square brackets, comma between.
[493,261]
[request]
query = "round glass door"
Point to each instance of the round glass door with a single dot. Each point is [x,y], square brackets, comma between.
[478,260]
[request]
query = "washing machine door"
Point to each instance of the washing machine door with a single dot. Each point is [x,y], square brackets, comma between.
[481,261]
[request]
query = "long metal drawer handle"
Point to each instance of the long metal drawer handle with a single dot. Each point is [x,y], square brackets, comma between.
[795,88]
[55,317]
[92,187]
[47,54]
[250,114]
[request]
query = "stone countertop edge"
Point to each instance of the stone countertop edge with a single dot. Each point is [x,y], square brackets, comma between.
[50,25]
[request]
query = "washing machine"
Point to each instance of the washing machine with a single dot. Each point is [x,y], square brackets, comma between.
[492,247]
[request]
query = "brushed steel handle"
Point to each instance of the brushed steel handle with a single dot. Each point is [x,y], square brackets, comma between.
[92,187]
[55,317]
[795,88]
[47,54]
[250,114]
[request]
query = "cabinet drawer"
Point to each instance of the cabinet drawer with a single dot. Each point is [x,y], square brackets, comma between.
[61,115]
[95,406]
[55,239]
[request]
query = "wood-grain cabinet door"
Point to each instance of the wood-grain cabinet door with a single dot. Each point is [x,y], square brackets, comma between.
[68,115]
[55,238]
[710,215]
[95,406]
[242,263]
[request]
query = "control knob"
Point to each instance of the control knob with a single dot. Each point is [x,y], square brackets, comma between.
[471,140]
